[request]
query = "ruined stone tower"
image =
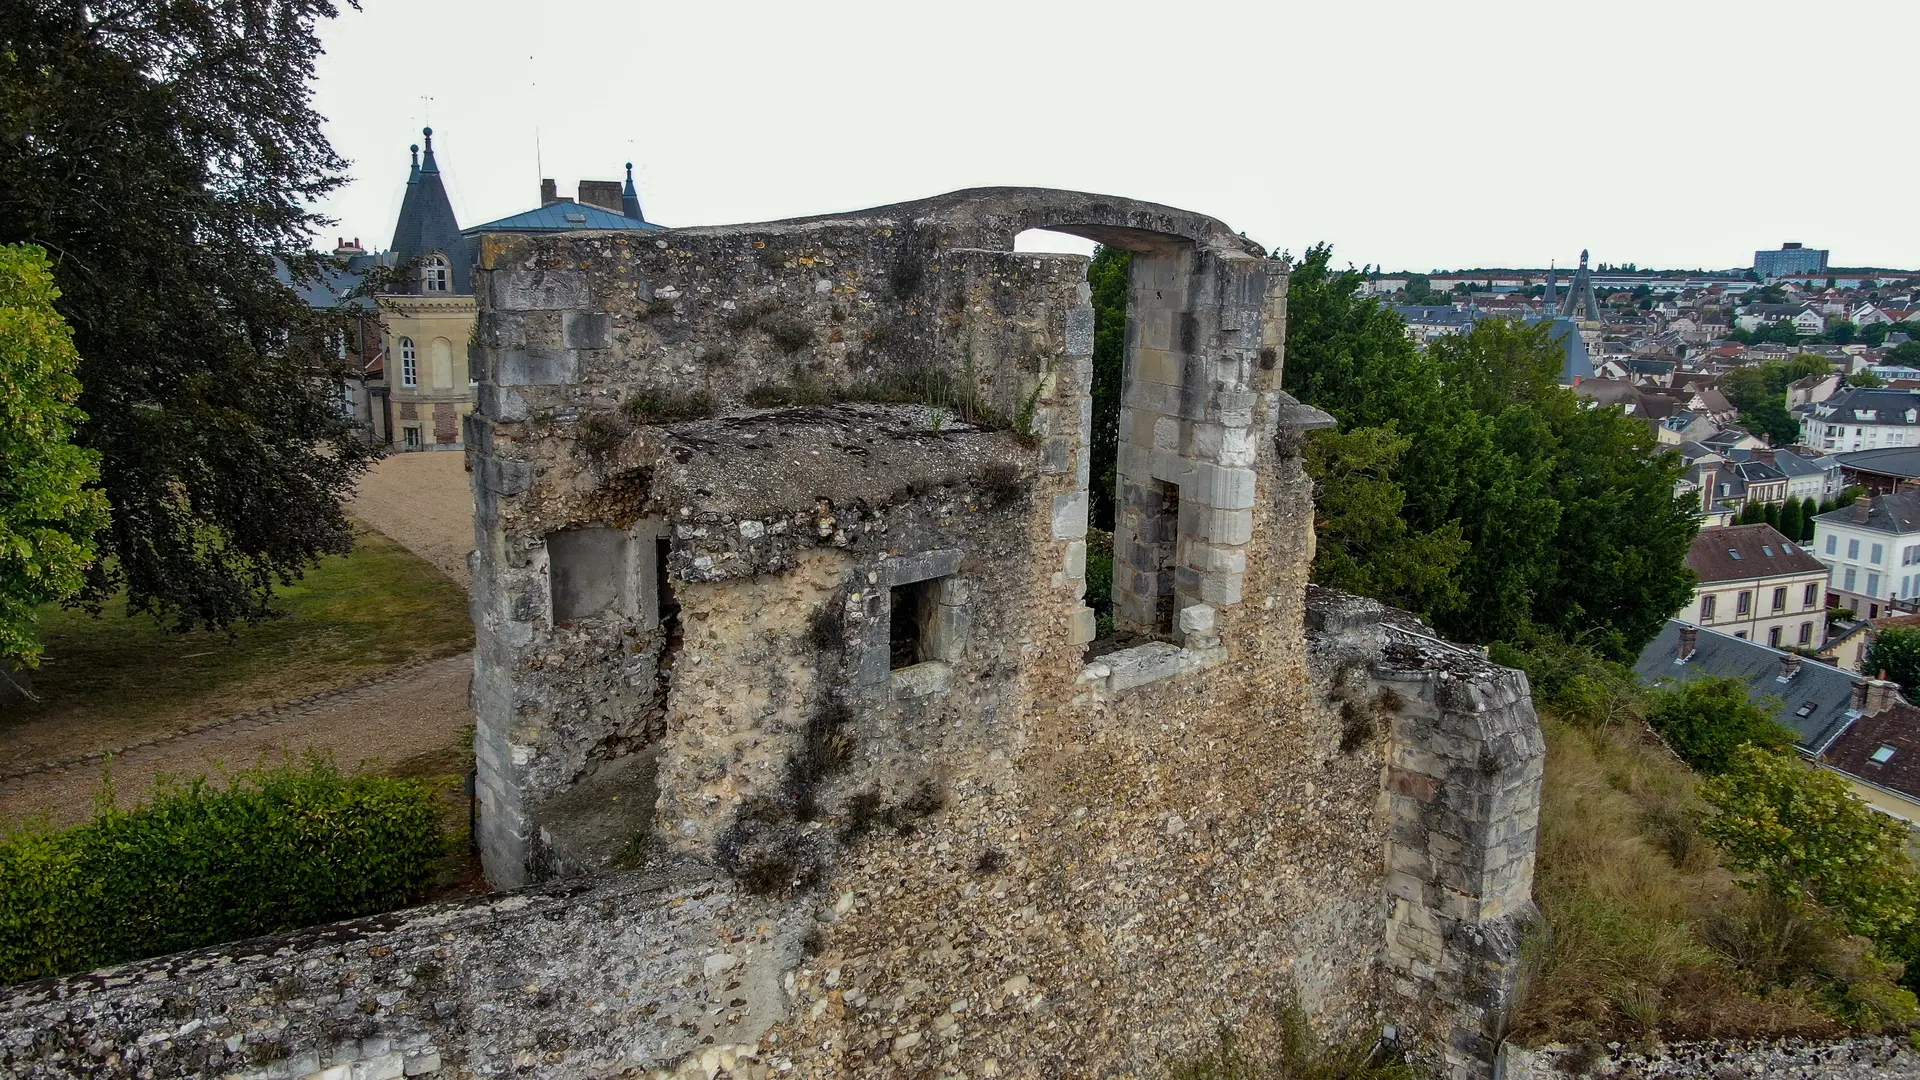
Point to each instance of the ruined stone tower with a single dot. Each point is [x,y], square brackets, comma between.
[785,669]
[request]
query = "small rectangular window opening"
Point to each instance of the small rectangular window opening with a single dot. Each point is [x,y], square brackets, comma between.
[1883,755]
[912,609]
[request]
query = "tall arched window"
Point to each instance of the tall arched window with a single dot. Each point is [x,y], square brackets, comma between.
[409,364]
[436,276]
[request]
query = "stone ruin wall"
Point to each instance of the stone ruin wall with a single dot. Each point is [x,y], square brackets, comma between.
[1006,859]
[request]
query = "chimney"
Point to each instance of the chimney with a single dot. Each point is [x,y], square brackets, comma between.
[1789,666]
[1862,507]
[1879,695]
[549,193]
[604,194]
[1689,640]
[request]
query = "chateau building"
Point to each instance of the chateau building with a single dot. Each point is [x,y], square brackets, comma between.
[420,385]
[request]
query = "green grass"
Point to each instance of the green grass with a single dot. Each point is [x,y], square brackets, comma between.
[113,680]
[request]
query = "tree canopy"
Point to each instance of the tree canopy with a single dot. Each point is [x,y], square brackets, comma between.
[164,152]
[49,512]
[1896,651]
[1561,516]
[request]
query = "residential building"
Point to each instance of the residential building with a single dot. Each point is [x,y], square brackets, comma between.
[1872,552]
[1861,418]
[1848,648]
[1860,728]
[1808,476]
[1792,258]
[1757,584]
[1813,388]
[1814,700]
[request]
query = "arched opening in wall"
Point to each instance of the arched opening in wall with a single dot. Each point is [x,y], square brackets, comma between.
[1107,280]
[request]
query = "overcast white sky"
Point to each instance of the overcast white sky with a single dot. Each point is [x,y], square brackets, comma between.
[1416,136]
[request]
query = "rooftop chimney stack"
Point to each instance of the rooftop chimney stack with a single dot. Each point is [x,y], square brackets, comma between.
[1689,640]
[604,194]
[549,193]
[1862,507]
[1880,695]
[1789,667]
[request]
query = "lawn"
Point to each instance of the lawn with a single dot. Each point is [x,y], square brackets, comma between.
[113,680]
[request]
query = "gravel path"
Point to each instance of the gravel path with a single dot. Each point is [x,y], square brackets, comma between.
[386,720]
[421,500]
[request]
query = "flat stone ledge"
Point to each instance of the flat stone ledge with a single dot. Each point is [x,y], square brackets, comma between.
[1152,662]
[921,680]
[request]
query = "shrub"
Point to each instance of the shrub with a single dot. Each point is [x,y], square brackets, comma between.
[1100,580]
[1800,832]
[1707,720]
[667,407]
[1575,682]
[277,849]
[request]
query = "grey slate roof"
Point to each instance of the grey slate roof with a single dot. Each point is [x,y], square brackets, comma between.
[1792,464]
[1895,407]
[427,223]
[563,216]
[340,277]
[1816,705]
[1901,461]
[1898,513]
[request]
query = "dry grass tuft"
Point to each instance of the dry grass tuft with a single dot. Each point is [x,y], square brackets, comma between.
[1628,887]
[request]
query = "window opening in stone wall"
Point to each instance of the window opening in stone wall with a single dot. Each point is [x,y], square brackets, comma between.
[587,572]
[1107,280]
[910,610]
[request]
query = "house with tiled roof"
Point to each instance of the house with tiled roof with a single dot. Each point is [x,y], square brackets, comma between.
[1861,418]
[1755,583]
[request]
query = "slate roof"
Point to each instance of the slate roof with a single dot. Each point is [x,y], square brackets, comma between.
[1792,464]
[1762,552]
[338,278]
[1817,704]
[1900,408]
[1898,513]
[1895,729]
[563,216]
[427,223]
[1900,461]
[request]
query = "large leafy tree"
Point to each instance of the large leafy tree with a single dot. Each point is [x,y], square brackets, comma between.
[1896,651]
[1566,513]
[164,153]
[49,513]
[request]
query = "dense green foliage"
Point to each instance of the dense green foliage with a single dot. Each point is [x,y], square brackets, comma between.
[1896,651]
[1566,513]
[165,154]
[1108,279]
[49,510]
[1760,393]
[1708,720]
[277,849]
[1800,832]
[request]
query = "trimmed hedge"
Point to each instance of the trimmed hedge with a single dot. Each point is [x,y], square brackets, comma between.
[276,849]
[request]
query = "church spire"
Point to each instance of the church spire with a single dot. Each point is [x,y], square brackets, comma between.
[630,198]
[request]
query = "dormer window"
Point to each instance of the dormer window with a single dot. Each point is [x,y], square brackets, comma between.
[436,275]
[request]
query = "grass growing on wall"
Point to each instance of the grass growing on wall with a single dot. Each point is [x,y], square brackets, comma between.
[114,680]
[275,850]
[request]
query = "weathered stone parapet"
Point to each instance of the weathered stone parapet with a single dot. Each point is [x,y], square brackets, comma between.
[576,980]
[1465,758]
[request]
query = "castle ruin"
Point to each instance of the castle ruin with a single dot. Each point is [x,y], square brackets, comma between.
[793,735]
